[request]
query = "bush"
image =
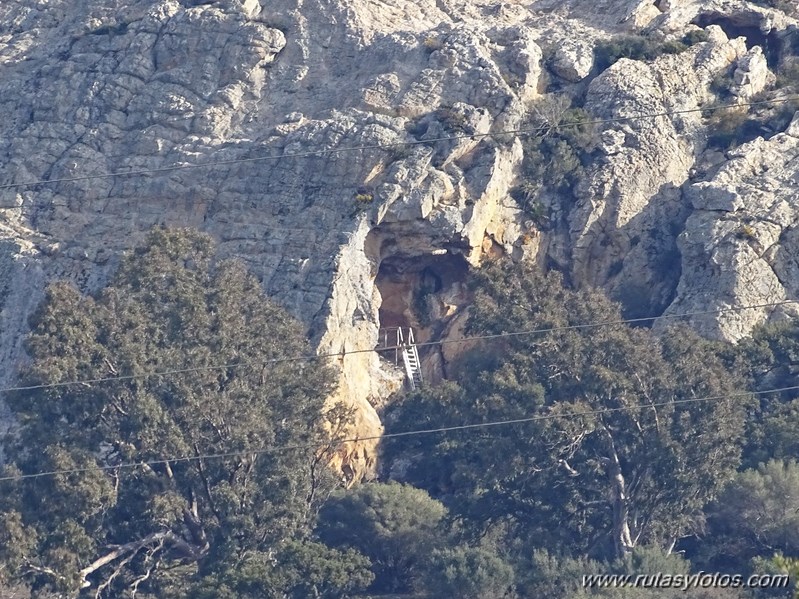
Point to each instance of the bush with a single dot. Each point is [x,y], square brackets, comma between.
[757,513]
[721,83]
[395,526]
[364,198]
[297,571]
[788,73]
[695,36]
[727,128]
[526,195]
[466,573]
[634,47]
[673,47]
[452,119]
[556,159]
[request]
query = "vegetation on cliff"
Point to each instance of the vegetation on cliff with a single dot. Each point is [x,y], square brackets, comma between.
[635,453]
[111,524]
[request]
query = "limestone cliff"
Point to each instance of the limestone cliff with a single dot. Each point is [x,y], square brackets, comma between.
[297,104]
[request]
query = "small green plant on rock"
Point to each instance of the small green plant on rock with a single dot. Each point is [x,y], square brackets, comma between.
[451,118]
[432,43]
[634,47]
[746,233]
[364,198]
[695,36]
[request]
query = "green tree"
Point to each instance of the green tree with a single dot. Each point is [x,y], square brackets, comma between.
[555,158]
[779,564]
[300,570]
[557,577]
[395,526]
[110,528]
[756,515]
[637,462]
[770,358]
[466,573]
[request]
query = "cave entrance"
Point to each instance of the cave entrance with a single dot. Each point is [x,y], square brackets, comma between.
[418,291]
[425,293]
[748,26]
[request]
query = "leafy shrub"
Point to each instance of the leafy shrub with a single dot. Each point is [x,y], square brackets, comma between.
[556,159]
[466,573]
[757,513]
[788,73]
[298,570]
[526,195]
[727,128]
[635,47]
[395,526]
[722,82]
[364,198]
[451,118]
[731,127]
[673,47]
[695,36]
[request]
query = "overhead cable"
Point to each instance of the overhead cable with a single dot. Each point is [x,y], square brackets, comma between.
[341,354]
[427,431]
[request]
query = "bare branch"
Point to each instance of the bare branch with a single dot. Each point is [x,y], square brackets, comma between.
[134,547]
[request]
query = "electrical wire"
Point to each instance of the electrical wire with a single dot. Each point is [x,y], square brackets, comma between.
[428,431]
[519,132]
[341,354]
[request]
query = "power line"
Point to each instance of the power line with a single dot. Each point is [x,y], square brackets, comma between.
[521,132]
[428,431]
[341,354]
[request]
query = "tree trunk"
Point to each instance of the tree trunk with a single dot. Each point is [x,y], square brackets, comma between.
[622,538]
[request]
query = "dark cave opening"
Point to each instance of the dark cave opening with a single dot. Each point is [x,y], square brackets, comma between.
[417,291]
[427,293]
[745,25]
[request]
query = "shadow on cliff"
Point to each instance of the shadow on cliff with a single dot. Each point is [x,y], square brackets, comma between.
[638,264]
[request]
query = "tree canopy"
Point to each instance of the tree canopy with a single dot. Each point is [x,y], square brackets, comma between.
[106,525]
[184,457]
[621,454]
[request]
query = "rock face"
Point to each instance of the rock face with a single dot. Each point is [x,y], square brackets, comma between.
[294,110]
[740,243]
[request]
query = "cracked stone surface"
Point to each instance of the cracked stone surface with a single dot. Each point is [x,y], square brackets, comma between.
[302,91]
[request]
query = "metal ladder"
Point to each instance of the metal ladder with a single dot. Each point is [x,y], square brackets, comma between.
[406,346]
[413,368]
